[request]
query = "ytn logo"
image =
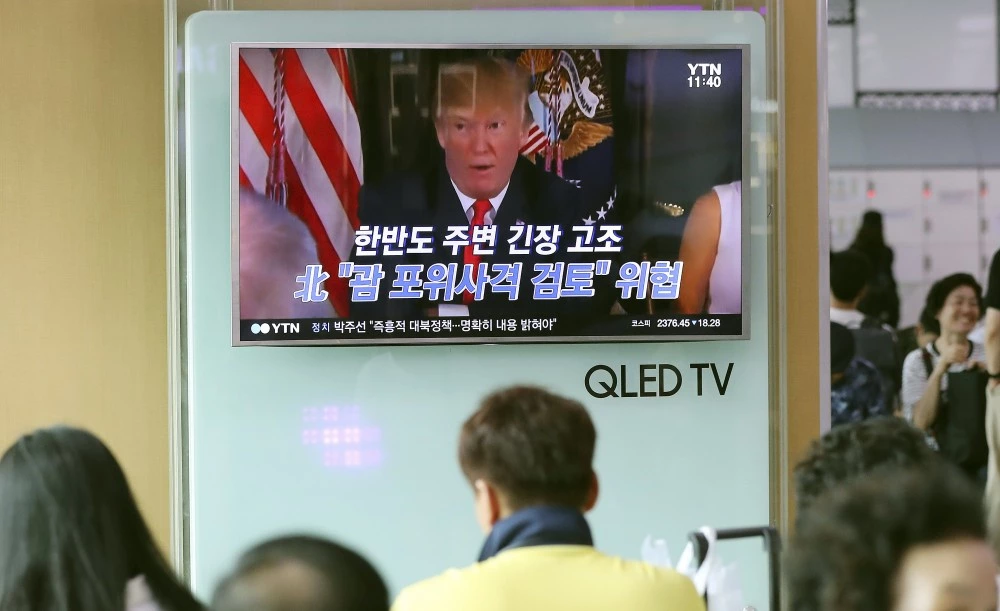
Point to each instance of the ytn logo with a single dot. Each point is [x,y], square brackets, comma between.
[277,327]
[705,69]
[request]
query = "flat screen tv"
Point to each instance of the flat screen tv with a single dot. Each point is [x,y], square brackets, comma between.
[489,194]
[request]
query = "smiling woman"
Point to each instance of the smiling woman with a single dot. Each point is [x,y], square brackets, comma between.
[955,303]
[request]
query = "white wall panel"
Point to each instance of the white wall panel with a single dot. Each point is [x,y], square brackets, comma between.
[951,207]
[927,45]
[898,195]
[840,66]
[911,301]
[847,204]
[944,259]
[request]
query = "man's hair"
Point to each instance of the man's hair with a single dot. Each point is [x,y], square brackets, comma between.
[850,273]
[853,450]
[275,248]
[337,579]
[847,550]
[473,82]
[938,295]
[536,447]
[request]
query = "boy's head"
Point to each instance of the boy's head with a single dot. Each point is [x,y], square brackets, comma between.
[525,447]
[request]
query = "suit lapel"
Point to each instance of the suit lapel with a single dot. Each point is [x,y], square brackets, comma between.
[449,210]
[514,204]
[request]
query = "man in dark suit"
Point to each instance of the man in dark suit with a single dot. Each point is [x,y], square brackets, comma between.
[481,119]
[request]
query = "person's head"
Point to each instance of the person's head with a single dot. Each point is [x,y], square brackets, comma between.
[870,238]
[275,248]
[301,573]
[73,535]
[850,274]
[872,219]
[481,117]
[906,540]
[842,350]
[526,447]
[954,305]
[854,450]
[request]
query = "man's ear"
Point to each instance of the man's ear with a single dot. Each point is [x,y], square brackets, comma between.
[439,129]
[592,493]
[488,509]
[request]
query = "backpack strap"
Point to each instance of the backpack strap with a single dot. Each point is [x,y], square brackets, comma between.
[942,418]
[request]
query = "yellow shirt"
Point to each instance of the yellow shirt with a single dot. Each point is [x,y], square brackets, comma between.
[553,578]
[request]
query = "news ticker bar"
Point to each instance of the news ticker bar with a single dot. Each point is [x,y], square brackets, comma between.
[510,327]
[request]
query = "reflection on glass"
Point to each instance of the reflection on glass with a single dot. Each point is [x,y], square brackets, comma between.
[341,437]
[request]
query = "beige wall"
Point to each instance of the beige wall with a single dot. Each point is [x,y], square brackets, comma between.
[82,230]
[802,323]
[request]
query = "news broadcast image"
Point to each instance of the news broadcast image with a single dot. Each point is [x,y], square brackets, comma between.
[416,195]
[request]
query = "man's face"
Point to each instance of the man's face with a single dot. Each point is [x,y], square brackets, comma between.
[481,147]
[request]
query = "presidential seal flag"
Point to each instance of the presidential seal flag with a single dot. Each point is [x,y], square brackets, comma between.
[573,129]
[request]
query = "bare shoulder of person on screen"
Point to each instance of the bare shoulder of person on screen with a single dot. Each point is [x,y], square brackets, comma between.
[699,247]
[275,248]
[711,252]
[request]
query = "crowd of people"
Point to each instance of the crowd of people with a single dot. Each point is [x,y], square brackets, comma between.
[527,454]
[913,518]
[884,521]
[937,375]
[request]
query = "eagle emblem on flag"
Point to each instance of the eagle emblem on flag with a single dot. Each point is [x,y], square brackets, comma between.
[572,126]
[569,104]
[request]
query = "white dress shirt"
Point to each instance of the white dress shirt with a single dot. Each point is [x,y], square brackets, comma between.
[851,319]
[467,203]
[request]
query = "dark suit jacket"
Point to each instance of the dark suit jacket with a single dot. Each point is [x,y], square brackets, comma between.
[534,197]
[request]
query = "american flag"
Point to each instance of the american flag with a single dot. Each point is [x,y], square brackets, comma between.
[322,161]
[535,141]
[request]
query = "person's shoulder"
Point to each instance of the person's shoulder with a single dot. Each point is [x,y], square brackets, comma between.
[653,583]
[645,585]
[396,192]
[871,322]
[548,192]
[705,217]
[452,590]
[913,359]
[709,204]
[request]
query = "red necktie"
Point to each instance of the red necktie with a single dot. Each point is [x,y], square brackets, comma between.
[479,210]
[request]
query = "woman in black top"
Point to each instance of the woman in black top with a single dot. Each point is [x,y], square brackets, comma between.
[882,299]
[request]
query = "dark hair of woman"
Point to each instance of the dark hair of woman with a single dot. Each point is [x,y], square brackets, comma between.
[73,536]
[870,238]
